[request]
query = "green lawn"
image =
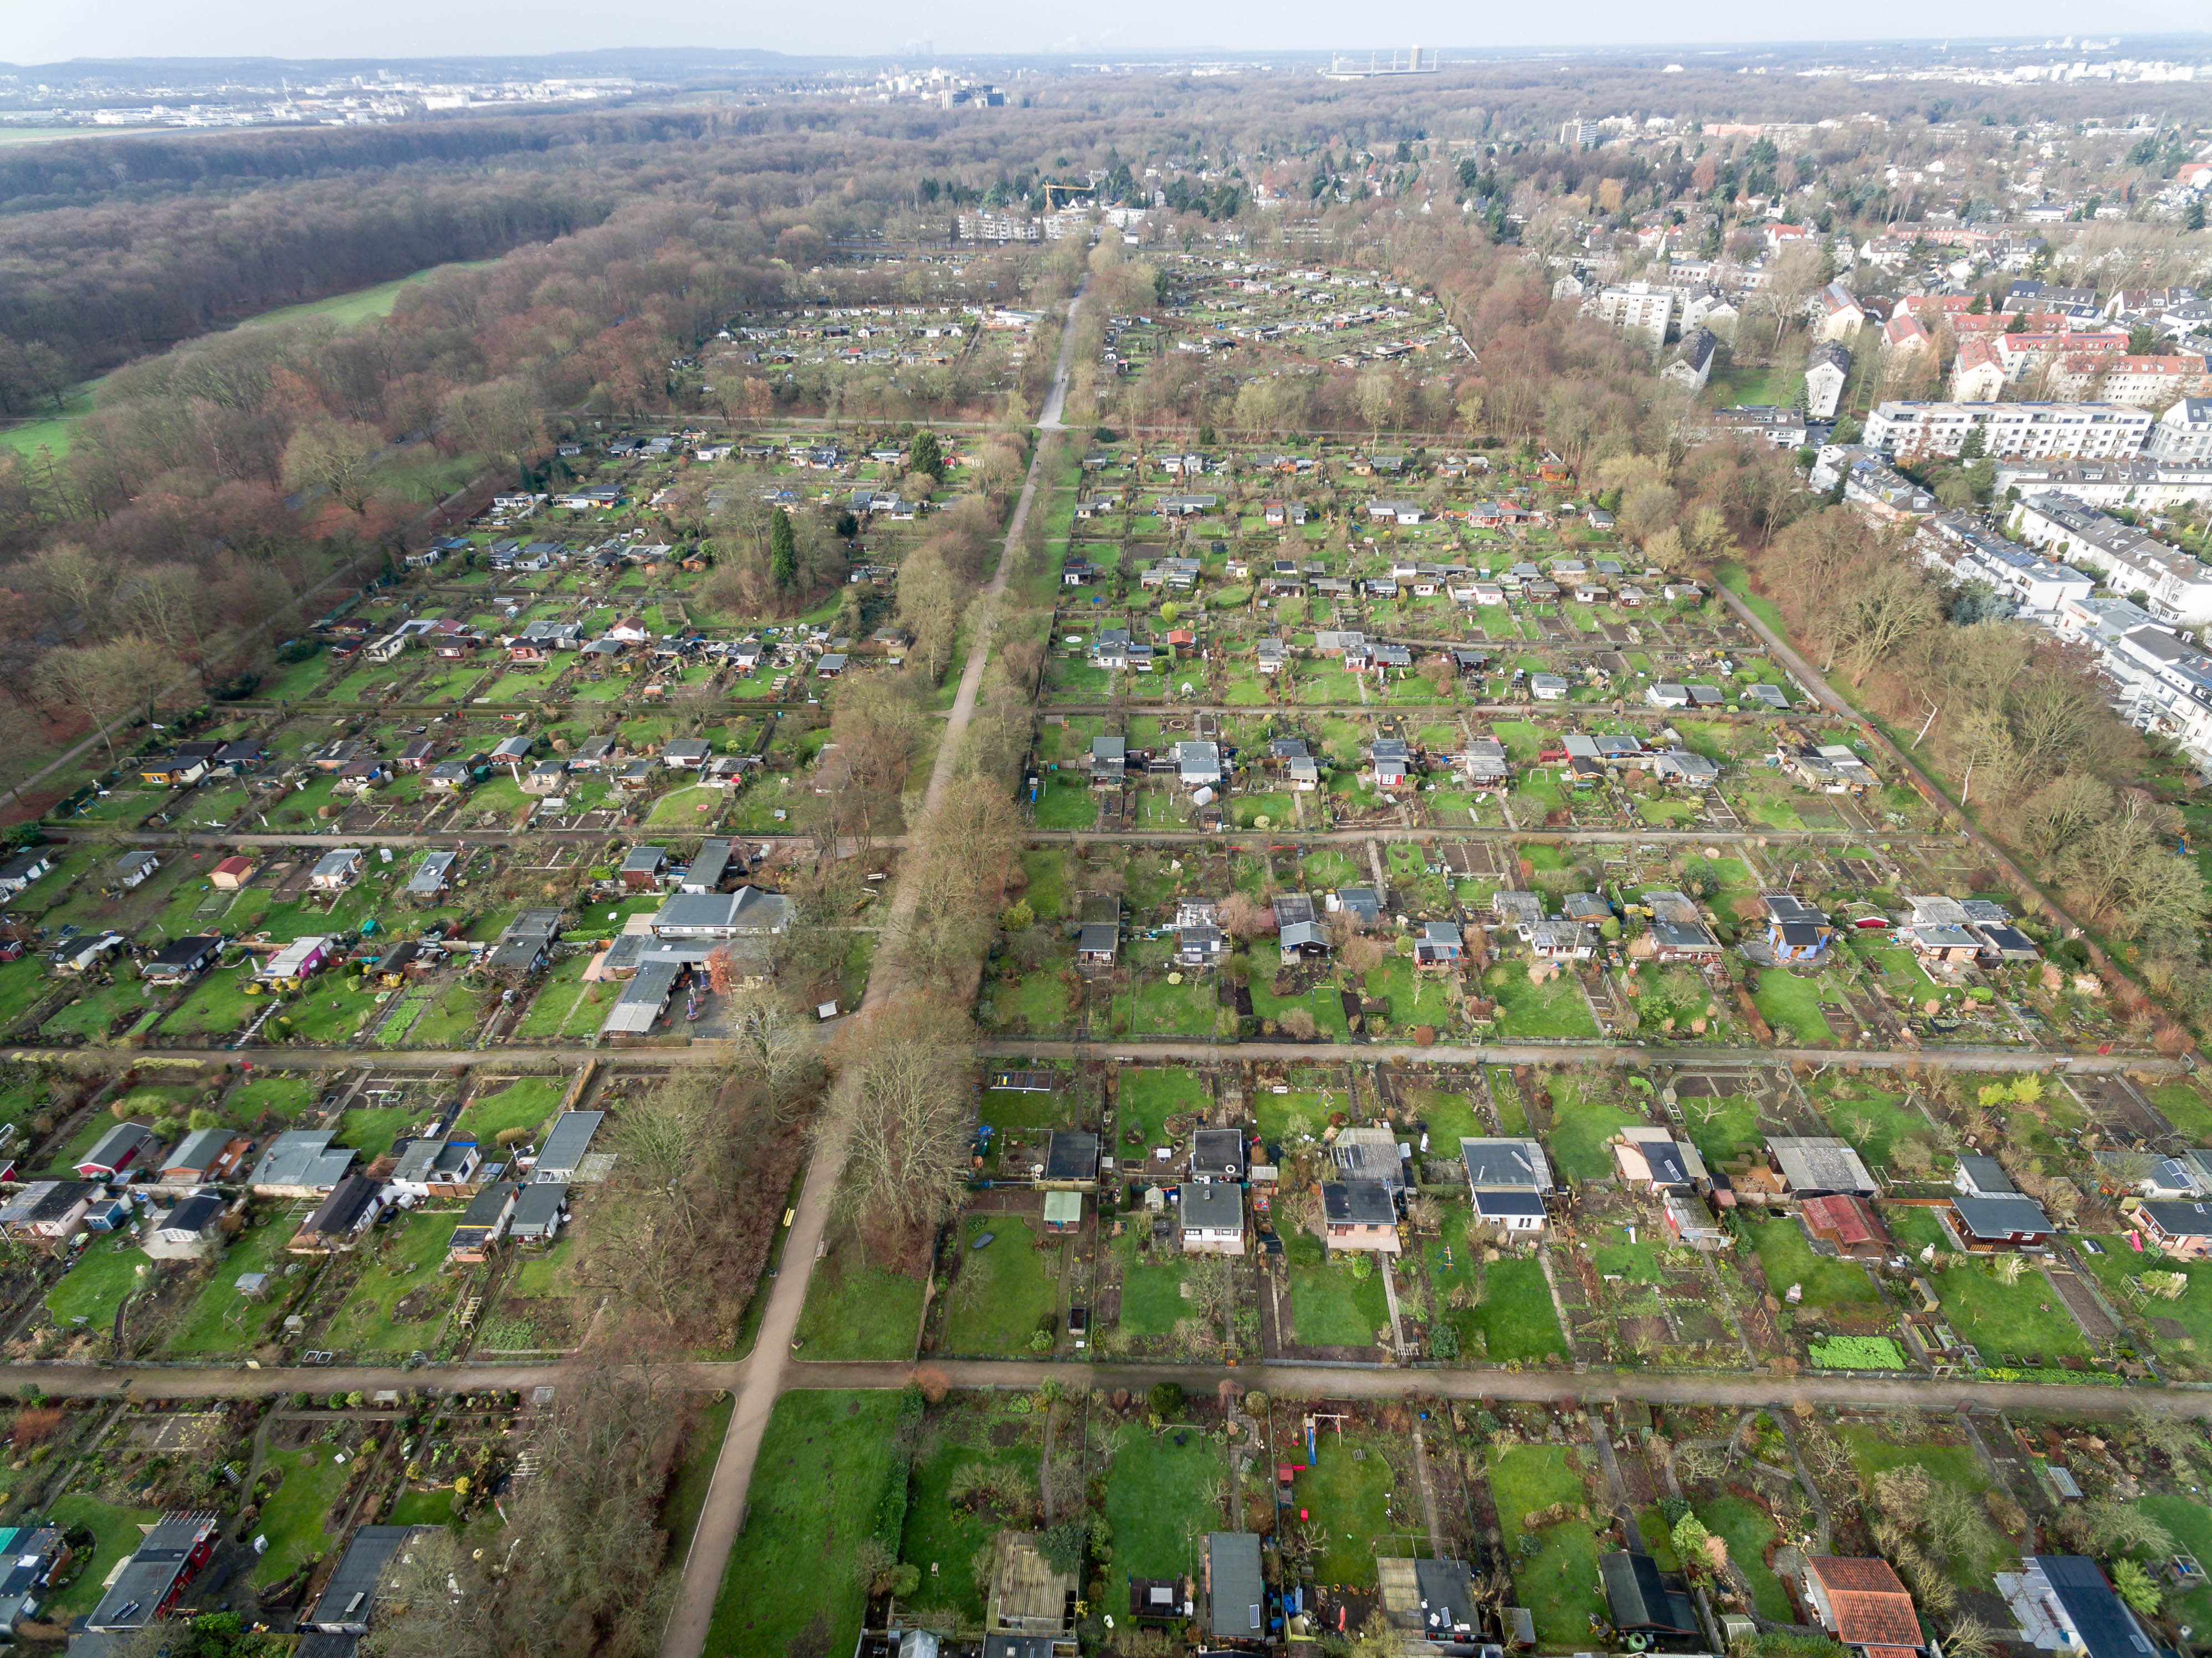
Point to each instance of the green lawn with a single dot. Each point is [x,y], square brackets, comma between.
[1788,1258]
[292,1519]
[118,1534]
[941,1539]
[1559,1584]
[1555,1008]
[2190,1522]
[1582,1127]
[1148,1097]
[1152,1288]
[370,1130]
[220,1319]
[105,1273]
[1516,1314]
[1160,1500]
[1350,1498]
[1329,1308]
[284,1097]
[1748,1531]
[2192,1309]
[857,1311]
[522,1102]
[1724,1128]
[407,1256]
[1792,1006]
[814,1494]
[2026,1318]
[687,1492]
[1005,1292]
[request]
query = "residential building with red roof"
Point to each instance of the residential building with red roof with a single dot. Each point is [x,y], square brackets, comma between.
[1862,1603]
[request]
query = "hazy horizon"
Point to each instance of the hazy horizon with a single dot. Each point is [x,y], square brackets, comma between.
[411,29]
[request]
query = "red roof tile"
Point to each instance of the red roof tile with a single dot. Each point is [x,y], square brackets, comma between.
[1871,1605]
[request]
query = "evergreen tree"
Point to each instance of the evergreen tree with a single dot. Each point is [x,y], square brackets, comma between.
[926,455]
[782,550]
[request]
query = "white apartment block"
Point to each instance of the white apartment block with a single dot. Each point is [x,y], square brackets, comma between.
[2031,430]
[2179,587]
[2183,433]
[2166,687]
[2139,382]
[1640,310]
[2148,486]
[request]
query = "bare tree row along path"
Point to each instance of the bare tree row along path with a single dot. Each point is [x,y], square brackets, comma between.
[723,1512]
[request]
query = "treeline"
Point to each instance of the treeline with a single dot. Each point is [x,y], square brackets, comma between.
[2021,728]
[84,290]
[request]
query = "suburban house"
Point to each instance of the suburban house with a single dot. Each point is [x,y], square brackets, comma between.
[1652,1157]
[561,1158]
[1235,1592]
[336,1225]
[1109,760]
[168,1558]
[192,1230]
[115,1151]
[1507,1180]
[1439,945]
[2064,1603]
[337,869]
[1862,1603]
[204,1156]
[641,867]
[1219,1154]
[32,1556]
[232,873]
[1795,932]
[300,959]
[1198,765]
[2012,1221]
[1359,1214]
[1369,1152]
[302,1162]
[1070,1160]
[707,867]
[1819,1166]
[46,1210]
[19,872]
[1096,945]
[1979,1177]
[1848,1224]
[181,961]
[1213,1219]
[2182,1231]
[1938,931]
[437,1166]
[482,1224]
[346,1599]
[132,868]
[523,945]
[1678,932]
[1642,1601]
[539,1209]
[431,876]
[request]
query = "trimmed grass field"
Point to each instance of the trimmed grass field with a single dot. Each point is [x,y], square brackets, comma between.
[1160,1500]
[92,1289]
[940,1539]
[815,1489]
[1005,1291]
[1749,1531]
[220,1319]
[292,1519]
[857,1311]
[117,1534]
[1557,1584]
[408,1255]
[1148,1097]
[1788,1258]
[1152,1288]
[1329,1308]
[1351,1497]
[1581,1126]
[1516,1314]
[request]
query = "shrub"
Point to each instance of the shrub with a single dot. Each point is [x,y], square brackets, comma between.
[1165,1400]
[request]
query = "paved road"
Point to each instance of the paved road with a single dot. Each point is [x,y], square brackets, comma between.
[723,1513]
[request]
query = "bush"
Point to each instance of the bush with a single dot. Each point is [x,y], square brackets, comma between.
[1165,1400]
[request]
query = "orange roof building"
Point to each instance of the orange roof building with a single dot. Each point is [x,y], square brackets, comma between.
[1862,1603]
[1848,1222]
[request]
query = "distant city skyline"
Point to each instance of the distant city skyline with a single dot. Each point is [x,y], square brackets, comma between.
[411,28]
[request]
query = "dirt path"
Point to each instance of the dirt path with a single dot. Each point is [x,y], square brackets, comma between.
[722,1516]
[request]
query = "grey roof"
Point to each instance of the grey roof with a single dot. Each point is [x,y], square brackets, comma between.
[303,1157]
[1448,1599]
[644,860]
[344,1606]
[1491,1201]
[1098,938]
[1356,1202]
[1237,1597]
[1363,901]
[116,1146]
[1072,1154]
[1506,1162]
[1218,1208]
[150,1576]
[341,1212]
[1997,1218]
[2107,1628]
[1218,1151]
[571,1138]
[1985,1176]
[198,1149]
[430,877]
[1817,1164]
[194,1214]
[708,865]
[642,999]
[539,1205]
[1642,1597]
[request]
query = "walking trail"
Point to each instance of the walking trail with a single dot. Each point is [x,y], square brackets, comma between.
[723,1515]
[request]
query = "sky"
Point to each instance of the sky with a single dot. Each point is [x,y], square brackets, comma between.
[1246,28]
